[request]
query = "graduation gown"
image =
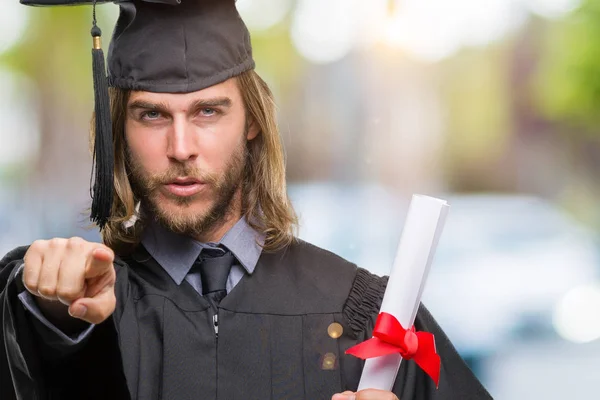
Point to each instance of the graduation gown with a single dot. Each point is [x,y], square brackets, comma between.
[269,339]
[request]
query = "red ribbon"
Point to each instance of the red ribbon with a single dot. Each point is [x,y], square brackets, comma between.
[390,337]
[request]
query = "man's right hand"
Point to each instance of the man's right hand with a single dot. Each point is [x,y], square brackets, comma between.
[74,272]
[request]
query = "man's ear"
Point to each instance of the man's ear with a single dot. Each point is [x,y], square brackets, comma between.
[253,129]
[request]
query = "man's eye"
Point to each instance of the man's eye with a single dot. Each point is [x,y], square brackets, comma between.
[208,112]
[150,115]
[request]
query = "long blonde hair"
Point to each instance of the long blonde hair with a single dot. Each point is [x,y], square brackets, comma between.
[266,205]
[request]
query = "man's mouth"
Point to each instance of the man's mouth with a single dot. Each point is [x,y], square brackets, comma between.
[185,186]
[185,181]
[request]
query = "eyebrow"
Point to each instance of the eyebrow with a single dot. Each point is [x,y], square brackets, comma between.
[214,102]
[194,107]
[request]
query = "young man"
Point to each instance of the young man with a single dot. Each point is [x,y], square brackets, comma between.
[200,290]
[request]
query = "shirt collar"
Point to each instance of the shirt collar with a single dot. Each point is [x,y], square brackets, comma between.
[177,253]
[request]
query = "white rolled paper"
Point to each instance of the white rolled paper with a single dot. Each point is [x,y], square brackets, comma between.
[420,236]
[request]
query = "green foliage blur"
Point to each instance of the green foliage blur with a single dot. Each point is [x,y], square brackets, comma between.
[568,85]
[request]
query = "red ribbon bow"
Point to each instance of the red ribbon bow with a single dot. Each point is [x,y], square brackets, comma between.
[390,337]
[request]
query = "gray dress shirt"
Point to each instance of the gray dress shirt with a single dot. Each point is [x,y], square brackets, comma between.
[176,254]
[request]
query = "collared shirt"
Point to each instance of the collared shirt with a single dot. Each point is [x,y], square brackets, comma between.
[176,254]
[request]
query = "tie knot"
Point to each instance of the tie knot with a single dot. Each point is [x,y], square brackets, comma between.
[214,265]
[211,251]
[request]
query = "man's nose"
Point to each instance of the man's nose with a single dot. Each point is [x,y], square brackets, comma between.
[182,141]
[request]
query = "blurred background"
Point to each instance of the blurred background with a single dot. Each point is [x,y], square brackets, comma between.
[492,105]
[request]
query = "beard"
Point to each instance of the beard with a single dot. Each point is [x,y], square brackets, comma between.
[221,193]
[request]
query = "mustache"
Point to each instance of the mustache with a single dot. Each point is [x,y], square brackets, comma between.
[153,182]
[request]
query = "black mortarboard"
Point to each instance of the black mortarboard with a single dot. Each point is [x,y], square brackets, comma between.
[169,46]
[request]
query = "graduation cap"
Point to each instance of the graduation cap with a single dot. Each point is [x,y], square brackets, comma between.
[166,46]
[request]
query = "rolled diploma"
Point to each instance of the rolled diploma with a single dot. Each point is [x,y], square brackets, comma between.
[420,236]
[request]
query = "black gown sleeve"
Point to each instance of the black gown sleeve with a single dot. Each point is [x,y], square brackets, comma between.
[457,381]
[30,370]
[19,363]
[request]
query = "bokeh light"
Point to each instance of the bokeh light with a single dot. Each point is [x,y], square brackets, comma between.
[324,31]
[263,14]
[431,30]
[576,317]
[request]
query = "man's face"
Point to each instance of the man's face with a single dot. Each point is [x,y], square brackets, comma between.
[187,154]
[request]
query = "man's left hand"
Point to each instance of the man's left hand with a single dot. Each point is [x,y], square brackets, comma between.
[367,394]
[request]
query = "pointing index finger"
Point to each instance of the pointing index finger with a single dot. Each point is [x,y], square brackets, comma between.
[100,260]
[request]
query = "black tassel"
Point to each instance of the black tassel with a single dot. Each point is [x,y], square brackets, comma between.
[102,196]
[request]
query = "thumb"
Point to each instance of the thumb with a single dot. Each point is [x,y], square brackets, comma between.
[97,309]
